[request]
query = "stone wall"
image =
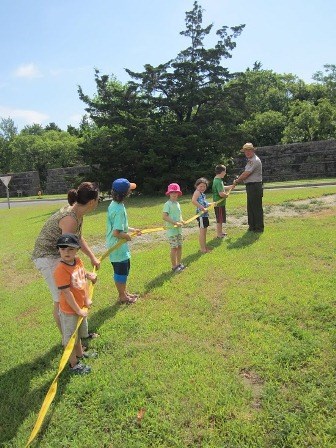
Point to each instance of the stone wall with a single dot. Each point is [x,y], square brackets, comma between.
[282,162]
[21,184]
[60,180]
[295,161]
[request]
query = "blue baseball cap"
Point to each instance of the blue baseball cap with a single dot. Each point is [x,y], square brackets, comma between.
[123,185]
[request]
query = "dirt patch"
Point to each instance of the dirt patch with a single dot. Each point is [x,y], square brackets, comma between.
[239,219]
[28,313]
[252,381]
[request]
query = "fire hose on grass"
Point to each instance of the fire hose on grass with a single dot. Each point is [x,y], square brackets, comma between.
[70,346]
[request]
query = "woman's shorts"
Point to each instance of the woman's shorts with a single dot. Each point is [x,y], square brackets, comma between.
[46,266]
[175,241]
[203,222]
[220,213]
[121,270]
[69,324]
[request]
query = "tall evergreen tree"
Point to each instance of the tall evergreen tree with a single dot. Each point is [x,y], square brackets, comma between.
[195,77]
[165,119]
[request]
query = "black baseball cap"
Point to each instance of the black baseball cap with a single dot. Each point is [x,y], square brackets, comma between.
[69,240]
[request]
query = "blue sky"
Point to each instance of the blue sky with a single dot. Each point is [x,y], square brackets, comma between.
[48,47]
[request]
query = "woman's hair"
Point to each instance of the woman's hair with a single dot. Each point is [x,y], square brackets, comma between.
[201,180]
[220,168]
[84,193]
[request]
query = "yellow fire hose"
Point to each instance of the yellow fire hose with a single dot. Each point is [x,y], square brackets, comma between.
[70,346]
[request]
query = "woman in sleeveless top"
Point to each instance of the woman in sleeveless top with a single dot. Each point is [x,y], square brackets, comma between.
[68,219]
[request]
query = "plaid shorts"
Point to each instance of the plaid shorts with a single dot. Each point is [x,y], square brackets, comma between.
[175,241]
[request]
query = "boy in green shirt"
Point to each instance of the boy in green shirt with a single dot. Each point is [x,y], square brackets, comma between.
[218,193]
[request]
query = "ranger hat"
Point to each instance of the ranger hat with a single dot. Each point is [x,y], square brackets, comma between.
[248,146]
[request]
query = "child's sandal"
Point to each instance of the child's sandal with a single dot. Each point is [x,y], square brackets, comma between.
[128,301]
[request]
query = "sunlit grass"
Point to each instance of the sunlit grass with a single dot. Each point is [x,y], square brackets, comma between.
[236,351]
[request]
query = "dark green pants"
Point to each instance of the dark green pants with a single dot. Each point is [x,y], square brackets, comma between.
[255,213]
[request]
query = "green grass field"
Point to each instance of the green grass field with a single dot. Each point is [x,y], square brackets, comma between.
[237,351]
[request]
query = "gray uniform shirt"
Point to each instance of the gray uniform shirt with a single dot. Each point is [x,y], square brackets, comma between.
[255,168]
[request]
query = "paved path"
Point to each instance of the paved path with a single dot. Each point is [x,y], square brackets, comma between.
[18,203]
[14,204]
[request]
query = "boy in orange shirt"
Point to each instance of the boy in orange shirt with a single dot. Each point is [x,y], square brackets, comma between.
[71,280]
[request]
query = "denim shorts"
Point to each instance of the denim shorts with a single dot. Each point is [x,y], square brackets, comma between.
[121,270]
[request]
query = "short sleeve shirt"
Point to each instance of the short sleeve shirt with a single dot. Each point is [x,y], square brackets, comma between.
[254,166]
[173,209]
[45,245]
[117,220]
[218,187]
[73,277]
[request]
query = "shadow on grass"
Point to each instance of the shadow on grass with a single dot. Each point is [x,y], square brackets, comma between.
[246,239]
[187,261]
[97,319]
[17,398]
[216,242]
[158,281]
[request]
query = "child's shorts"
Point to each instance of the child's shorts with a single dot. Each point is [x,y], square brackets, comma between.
[175,241]
[220,213]
[203,222]
[121,270]
[69,324]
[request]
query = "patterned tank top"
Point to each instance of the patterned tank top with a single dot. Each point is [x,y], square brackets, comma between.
[203,202]
[45,244]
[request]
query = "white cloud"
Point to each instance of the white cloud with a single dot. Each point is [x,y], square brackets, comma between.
[74,120]
[28,71]
[26,116]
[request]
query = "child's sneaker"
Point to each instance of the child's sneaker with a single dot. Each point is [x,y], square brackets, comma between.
[181,266]
[80,369]
[177,269]
[86,354]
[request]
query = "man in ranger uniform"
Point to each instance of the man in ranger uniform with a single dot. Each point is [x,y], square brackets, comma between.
[252,178]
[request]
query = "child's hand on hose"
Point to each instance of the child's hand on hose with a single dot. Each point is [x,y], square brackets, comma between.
[92,277]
